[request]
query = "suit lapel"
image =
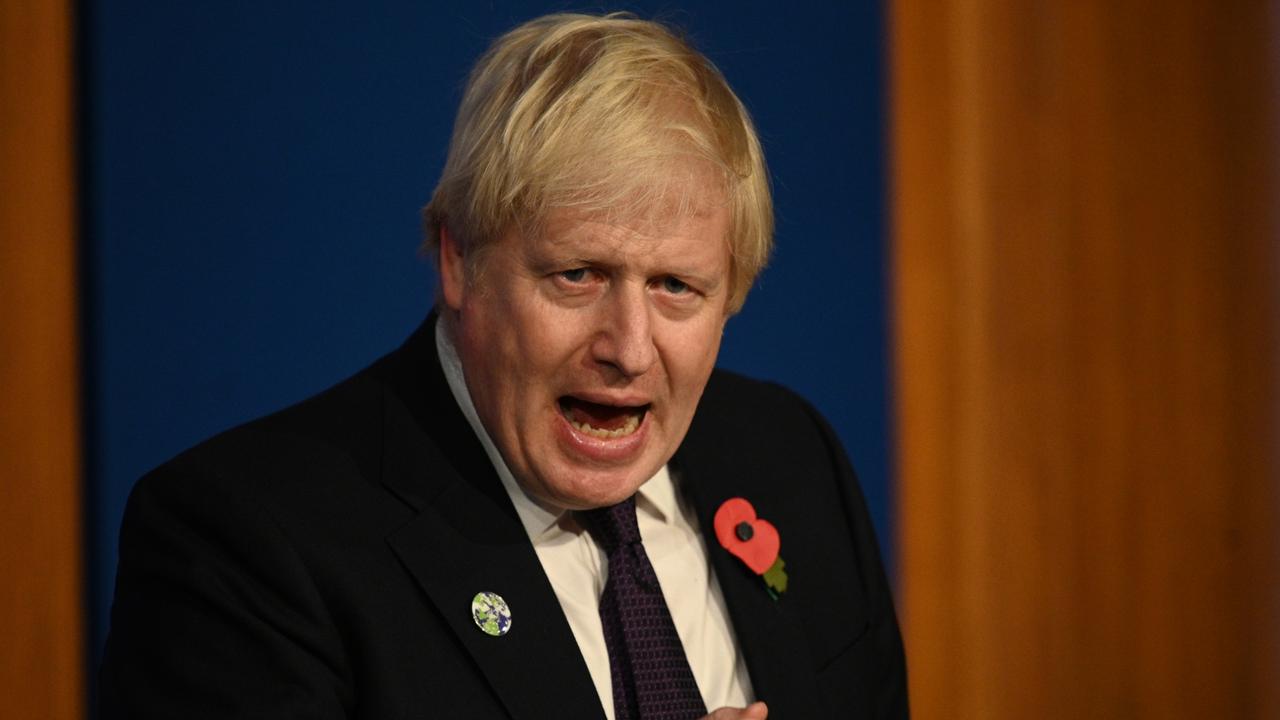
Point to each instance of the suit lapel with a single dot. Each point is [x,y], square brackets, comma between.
[467,538]
[770,636]
[458,548]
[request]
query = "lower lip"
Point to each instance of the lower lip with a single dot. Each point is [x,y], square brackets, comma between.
[602,450]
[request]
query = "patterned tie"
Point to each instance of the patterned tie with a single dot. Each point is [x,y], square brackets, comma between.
[651,675]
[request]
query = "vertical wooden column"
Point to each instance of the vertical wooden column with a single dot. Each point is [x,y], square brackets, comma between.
[41,674]
[1087,318]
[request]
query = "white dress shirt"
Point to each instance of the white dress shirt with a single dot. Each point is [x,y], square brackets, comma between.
[578,567]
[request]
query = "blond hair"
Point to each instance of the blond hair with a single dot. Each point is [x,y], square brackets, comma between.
[608,115]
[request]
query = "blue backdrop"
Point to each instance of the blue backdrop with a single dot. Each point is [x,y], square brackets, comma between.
[253,174]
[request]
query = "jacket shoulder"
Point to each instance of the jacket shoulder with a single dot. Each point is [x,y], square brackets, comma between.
[736,409]
[728,390]
[334,430]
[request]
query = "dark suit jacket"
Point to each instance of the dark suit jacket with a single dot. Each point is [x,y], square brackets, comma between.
[320,563]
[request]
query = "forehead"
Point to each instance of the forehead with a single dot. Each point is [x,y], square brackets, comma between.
[656,200]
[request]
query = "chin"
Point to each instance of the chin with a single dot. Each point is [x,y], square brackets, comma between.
[584,489]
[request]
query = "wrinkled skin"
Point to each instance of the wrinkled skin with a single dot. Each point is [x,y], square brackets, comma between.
[586,314]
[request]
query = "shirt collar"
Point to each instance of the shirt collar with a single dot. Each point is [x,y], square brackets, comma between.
[657,496]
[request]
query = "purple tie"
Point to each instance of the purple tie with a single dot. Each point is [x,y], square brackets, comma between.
[651,675]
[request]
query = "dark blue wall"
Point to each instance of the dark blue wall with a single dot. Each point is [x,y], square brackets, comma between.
[253,174]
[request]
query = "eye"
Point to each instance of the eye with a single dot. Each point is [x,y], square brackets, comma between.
[675,285]
[576,275]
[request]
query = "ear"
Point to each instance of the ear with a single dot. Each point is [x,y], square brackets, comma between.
[453,271]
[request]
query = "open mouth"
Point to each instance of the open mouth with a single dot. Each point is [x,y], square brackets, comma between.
[602,421]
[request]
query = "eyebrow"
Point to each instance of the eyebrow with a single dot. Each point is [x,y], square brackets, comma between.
[579,245]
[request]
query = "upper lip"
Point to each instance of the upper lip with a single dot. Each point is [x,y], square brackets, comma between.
[603,398]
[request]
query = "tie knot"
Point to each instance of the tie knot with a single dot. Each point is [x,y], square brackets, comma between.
[615,525]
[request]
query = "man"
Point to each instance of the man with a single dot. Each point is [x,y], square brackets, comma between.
[546,503]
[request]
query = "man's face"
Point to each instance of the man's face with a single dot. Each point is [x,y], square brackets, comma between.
[586,348]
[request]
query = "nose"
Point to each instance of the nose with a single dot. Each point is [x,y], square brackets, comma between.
[624,340]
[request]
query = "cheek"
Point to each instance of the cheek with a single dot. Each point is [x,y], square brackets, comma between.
[505,333]
[542,347]
[516,351]
[692,355]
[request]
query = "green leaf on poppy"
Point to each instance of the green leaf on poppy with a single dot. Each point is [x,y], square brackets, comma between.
[776,577]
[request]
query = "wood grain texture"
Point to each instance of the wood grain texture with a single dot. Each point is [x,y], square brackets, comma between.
[1087,300]
[41,673]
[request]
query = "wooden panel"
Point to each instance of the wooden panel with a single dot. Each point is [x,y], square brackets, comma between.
[41,672]
[1086,324]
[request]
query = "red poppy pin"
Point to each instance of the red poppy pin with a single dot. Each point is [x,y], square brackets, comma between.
[752,540]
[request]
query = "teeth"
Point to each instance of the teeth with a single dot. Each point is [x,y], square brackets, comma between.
[633,422]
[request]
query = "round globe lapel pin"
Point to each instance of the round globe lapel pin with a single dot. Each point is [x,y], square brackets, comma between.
[491,613]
